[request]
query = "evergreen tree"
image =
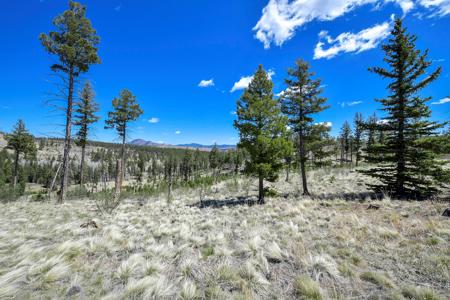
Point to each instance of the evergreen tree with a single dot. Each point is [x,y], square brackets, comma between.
[84,117]
[370,126]
[358,139]
[300,102]
[408,167]
[346,133]
[214,160]
[125,110]
[319,144]
[22,142]
[74,43]
[261,129]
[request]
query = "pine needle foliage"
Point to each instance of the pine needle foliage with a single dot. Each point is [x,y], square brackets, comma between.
[300,102]
[406,164]
[261,129]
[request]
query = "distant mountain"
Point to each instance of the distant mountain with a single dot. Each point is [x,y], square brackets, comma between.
[141,142]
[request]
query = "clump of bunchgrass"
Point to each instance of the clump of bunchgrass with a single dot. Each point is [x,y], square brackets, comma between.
[306,288]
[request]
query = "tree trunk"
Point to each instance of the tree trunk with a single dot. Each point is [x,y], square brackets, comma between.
[288,171]
[261,190]
[67,140]
[16,169]
[83,154]
[118,182]
[401,165]
[123,152]
[302,163]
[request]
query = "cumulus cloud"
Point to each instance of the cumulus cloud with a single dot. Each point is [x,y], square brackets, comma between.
[366,39]
[326,124]
[177,132]
[153,120]
[442,101]
[281,18]
[242,83]
[245,81]
[206,83]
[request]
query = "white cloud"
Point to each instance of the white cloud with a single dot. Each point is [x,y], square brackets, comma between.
[439,7]
[351,103]
[245,81]
[153,120]
[177,132]
[442,101]
[366,39]
[206,83]
[327,124]
[383,122]
[281,18]
[242,83]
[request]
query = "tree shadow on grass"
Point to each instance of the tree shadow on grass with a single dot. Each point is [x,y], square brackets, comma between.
[212,203]
[359,196]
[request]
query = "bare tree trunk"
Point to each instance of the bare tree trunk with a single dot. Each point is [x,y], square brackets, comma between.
[169,188]
[16,169]
[67,140]
[288,171]
[118,181]
[302,163]
[123,152]
[52,186]
[261,190]
[83,154]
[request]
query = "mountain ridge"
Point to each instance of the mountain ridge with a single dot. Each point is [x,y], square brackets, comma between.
[194,146]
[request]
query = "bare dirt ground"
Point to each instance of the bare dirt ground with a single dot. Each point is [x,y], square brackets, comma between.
[291,248]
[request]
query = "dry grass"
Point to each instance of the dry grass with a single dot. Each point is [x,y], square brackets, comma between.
[292,247]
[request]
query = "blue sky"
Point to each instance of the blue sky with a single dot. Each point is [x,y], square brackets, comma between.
[187,60]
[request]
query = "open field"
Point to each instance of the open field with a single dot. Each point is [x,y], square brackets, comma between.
[292,247]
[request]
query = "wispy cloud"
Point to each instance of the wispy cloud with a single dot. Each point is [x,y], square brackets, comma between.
[245,81]
[281,18]
[206,83]
[350,103]
[118,7]
[442,101]
[366,39]
[178,132]
[153,120]
[439,7]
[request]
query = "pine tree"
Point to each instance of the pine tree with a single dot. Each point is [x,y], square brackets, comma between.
[214,160]
[300,102]
[358,138]
[84,117]
[319,144]
[22,142]
[126,110]
[74,43]
[406,165]
[261,130]
[346,133]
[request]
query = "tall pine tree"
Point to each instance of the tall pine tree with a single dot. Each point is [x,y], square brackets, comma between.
[406,166]
[84,117]
[75,44]
[22,142]
[125,110]
[358,138]
[300,101]
[261,130]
